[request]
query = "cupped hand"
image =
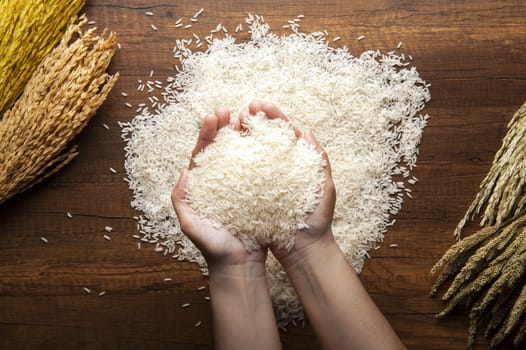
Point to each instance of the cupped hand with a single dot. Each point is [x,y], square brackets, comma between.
[318,233]
[220,247]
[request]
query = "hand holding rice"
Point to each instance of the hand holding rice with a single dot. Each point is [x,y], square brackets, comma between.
[260,183]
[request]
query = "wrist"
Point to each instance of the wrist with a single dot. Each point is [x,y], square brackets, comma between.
[228,273]
[238,292]
[244,286]
[308,252]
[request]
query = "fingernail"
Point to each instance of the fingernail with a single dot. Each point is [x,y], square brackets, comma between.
[221,109]
[308,136]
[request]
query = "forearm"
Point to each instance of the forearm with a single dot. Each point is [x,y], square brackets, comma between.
[242,309]
[339,308]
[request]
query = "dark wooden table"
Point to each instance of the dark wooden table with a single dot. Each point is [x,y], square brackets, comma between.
[472,53]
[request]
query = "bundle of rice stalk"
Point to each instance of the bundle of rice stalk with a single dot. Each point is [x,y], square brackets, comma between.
[488,268]
[58,101]
[29,29]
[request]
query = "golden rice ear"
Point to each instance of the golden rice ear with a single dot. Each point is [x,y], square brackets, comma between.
[24,41]
[46,172]
[60,106]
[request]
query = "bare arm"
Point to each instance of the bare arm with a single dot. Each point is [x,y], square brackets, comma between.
[242,310]
[339,308]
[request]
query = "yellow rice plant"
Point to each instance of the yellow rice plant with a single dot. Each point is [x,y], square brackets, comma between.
[61,96]
[29,29]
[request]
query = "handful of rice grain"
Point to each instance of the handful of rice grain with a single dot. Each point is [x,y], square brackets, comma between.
[260,184]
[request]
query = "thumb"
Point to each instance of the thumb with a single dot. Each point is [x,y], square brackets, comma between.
[308,136]
[179,191]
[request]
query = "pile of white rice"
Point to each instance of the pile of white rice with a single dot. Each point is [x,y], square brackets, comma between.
[259,184]
[363,111]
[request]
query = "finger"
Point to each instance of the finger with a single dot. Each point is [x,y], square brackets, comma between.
[179,192]
[242,118]
[182,208]
[273,112]
[255,106]
[235,123]
[187,217]
[206,136]
[308,135]
[223,117]
[328,200]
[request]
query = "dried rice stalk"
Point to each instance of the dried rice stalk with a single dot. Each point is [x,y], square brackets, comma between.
[29,29]
[502,192]
[489,267]
[57,102]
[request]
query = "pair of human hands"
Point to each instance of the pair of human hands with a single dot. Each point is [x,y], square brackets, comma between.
[221,249]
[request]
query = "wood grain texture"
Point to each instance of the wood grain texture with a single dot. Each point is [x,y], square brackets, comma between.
[471,52]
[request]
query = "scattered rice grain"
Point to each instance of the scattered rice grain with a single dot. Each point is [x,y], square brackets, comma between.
[380,139]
